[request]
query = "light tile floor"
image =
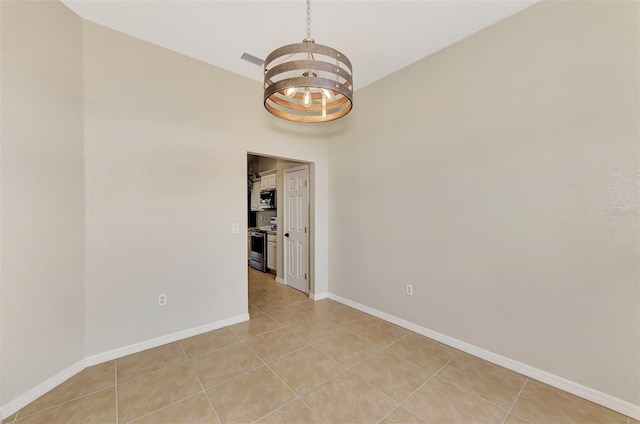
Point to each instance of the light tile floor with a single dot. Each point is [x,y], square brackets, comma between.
[299,361]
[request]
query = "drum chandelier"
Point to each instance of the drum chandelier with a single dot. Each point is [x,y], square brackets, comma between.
[308,82]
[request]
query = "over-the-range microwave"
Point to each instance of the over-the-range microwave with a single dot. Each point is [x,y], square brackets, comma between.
[268,199]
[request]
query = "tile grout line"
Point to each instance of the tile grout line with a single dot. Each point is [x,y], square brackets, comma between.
[208,352]
[391,412]
[472,393]
[428,380]
[516,400]
[199,382]
[179,400]
[65,402]
[287,354]
[160,409]
[448,362]
[296,396]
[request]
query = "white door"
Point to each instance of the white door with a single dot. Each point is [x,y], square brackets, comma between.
[296,228]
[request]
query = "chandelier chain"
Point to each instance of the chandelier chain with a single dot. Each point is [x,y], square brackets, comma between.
[308,18]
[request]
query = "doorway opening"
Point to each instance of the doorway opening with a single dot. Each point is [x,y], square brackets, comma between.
[280,210]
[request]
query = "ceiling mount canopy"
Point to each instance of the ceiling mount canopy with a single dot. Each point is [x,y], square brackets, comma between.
[308,82]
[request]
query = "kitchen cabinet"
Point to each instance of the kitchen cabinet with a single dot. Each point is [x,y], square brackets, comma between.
[255,195]
[268,180]
[272,245]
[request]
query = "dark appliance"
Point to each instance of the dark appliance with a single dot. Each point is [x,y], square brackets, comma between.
[268,199]
[258,254]
[251,216]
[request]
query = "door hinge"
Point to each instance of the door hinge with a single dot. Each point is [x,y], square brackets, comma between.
[305,183]
[305,275]
[305,230]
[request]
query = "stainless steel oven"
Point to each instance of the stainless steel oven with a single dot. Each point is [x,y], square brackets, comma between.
[258,254]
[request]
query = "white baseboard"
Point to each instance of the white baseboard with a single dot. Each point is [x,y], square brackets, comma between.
[279,280]
[608,401]
[159,341]
[33,394]
[318,296]
[21,401]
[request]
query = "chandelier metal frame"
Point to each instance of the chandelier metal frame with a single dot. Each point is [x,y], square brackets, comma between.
[317,88]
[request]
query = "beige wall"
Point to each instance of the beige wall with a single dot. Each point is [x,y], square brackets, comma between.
[500,178]
[42,214]
[166,158]
[165,140]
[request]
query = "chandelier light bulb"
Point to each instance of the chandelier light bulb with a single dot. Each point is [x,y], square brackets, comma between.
[324,108]
[290,92]
[306,101]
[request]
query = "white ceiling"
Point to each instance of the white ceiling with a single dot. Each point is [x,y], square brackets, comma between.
[379,37]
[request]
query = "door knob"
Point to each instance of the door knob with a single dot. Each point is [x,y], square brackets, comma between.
[286,234]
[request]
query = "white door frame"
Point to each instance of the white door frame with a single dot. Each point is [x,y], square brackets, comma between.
[285,255]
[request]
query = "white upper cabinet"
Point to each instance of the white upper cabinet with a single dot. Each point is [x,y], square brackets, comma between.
[268,180]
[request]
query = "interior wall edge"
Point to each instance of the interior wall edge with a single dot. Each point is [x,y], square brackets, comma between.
[588,393]
[51,383]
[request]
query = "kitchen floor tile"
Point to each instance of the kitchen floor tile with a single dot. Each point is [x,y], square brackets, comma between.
[341,314]
[276,344]
[514,419]
[255,327]
[140,396]
[249,397]
[305,369]
[87,381]
[208,342]
[440,402]
[319,305]
[193,410]
[294,412]
[295,297]
[150,360]
[290,314]
[347,348]
[489,381]
[539,403]
[224,363]
[10,419]
[402,416]
[392,375]
[314,330]
[97,407]
[376,331]
[427,353]
[272,301]
[347,399]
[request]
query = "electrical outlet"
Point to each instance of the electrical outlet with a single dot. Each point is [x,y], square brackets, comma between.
[162,299]
[409,290]
[235,228]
